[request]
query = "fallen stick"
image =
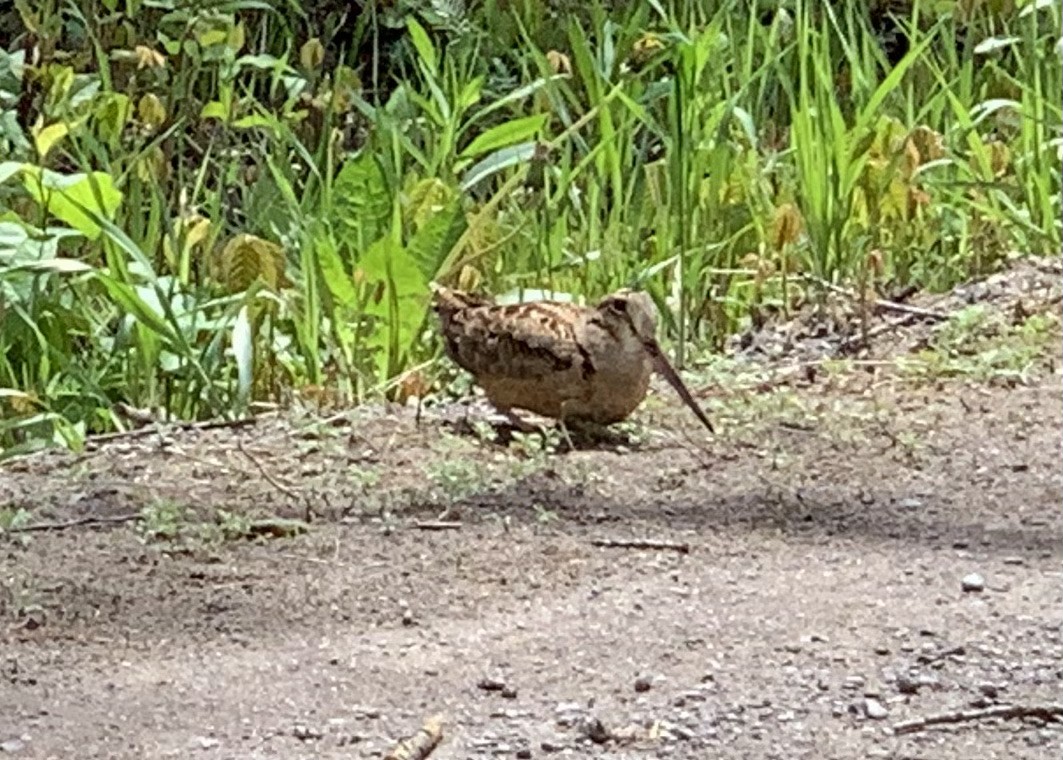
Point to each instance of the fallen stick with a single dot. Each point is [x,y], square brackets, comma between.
[422,744]
[438,525]
[266,473]
[1046,712]
[882,303]
[167,426]
[641,543]
[74,523]
[861,339]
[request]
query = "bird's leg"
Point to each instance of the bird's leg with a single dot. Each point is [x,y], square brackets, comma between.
[566,412]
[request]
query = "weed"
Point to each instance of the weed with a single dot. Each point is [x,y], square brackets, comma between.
[164,521]
[11,520]
[456,478]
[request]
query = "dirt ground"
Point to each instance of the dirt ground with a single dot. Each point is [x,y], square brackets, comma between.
[835,526]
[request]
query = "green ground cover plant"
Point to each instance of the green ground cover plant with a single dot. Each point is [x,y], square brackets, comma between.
[208,204]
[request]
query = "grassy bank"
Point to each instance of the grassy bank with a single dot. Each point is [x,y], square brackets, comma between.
[208,204]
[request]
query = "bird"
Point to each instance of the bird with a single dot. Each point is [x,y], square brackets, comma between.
[575,364]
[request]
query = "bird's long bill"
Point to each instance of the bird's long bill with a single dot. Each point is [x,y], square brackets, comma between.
[662,365]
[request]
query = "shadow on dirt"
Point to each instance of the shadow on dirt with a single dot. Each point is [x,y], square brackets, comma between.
[836,510]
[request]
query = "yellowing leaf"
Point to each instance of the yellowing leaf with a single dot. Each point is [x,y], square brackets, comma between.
[247,258]
[151,111]
[148,58]
[212,37]
[786,226]
[312,54]
[236,37]
[559,62]
[46,138]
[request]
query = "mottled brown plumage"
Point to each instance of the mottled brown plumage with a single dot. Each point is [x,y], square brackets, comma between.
[559,360]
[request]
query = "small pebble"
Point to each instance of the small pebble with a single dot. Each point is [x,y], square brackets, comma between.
[973,582]
[990,690]
[907,685]
[594,730]
[875,709]
[306,733]
[524,754]
[642,683]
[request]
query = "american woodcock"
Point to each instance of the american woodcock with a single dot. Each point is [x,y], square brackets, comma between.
[571,363]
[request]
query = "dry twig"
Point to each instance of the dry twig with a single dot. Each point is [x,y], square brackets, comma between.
[165,427]
[641,543]
[1046,712]
[438,525]
[266,474]
[105,520]
[882,303]
[422,744]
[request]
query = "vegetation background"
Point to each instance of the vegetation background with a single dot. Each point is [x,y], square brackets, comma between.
[207,204]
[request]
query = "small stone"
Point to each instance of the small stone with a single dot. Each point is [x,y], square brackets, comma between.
[524,754]
[973,582]
[508,692]
[305,733]
[907,685]
[549,746]
[853,683]
[875,709]
[407,618]
[882,650]
[643,683]
[990,690]
[909,503]
[206,742]
[594,730]
[11,746]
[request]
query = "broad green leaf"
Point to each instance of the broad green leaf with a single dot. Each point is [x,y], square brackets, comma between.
[126,298]
[993,44]
[62,194]
[333,273]
[422,43]
[9,169]
[391,273]
[58,266]
[213,37]
[256,120]
[496,162]
[46,139]
[503,135]
[214,110]
[433,240]
[361,202]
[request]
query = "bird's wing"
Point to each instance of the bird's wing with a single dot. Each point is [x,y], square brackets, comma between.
[519,341]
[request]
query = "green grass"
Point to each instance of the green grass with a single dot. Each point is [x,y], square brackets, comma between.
[208,205]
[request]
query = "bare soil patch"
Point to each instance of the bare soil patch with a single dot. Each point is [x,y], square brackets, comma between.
[832,527]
